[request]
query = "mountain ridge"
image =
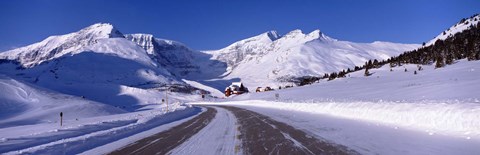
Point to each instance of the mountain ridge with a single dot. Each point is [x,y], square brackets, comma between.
[462,25]
[260,61]
[56,46]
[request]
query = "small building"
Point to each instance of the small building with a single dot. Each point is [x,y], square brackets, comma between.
[260,89]
[235,88]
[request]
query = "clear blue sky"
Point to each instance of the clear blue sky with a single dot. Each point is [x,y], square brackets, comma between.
[214,24]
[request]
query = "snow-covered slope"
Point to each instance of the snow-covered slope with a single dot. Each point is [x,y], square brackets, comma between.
[24,104]
[30,122]
[57,46]
[459,27]
[267,58]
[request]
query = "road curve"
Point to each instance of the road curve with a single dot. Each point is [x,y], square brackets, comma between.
[263,135]
[259,134]
[163,142]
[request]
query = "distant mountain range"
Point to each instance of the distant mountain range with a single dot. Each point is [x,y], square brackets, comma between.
[270,58]
[102,55]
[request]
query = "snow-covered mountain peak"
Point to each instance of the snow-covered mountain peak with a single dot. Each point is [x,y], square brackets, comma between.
[57,46]
[294,33]
[319,35]
[464,24]
[253,42]
[266,37]
[101,30]
[300,37]
[273,35]
[315,32]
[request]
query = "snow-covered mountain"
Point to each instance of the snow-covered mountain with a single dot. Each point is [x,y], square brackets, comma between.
[267,58]
[57,46]
[464,24]
[97,62]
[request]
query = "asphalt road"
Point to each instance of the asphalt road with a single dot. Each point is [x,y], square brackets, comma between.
[259,135]
[263,135]
[163,142]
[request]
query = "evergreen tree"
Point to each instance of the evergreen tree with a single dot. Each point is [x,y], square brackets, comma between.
[439,62]
[449,60]
[325,76]
[357,68]
[375,63]
[332,76]
[367,73]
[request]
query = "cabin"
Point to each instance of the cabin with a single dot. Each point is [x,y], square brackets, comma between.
[260,89]
[235,88]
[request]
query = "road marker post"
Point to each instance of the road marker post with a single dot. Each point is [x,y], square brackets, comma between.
[61,118]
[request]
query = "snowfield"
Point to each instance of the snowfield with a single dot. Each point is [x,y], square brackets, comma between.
[25,104]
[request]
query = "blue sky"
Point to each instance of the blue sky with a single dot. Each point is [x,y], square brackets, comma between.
[217,23]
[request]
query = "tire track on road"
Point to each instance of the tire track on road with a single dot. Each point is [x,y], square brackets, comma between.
[163,142]
[263,135]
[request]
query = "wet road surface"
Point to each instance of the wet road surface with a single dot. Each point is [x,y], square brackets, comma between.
[163,142]
[259,134]
[262,135]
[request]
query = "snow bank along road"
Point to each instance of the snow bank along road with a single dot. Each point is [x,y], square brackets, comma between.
[258,134]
